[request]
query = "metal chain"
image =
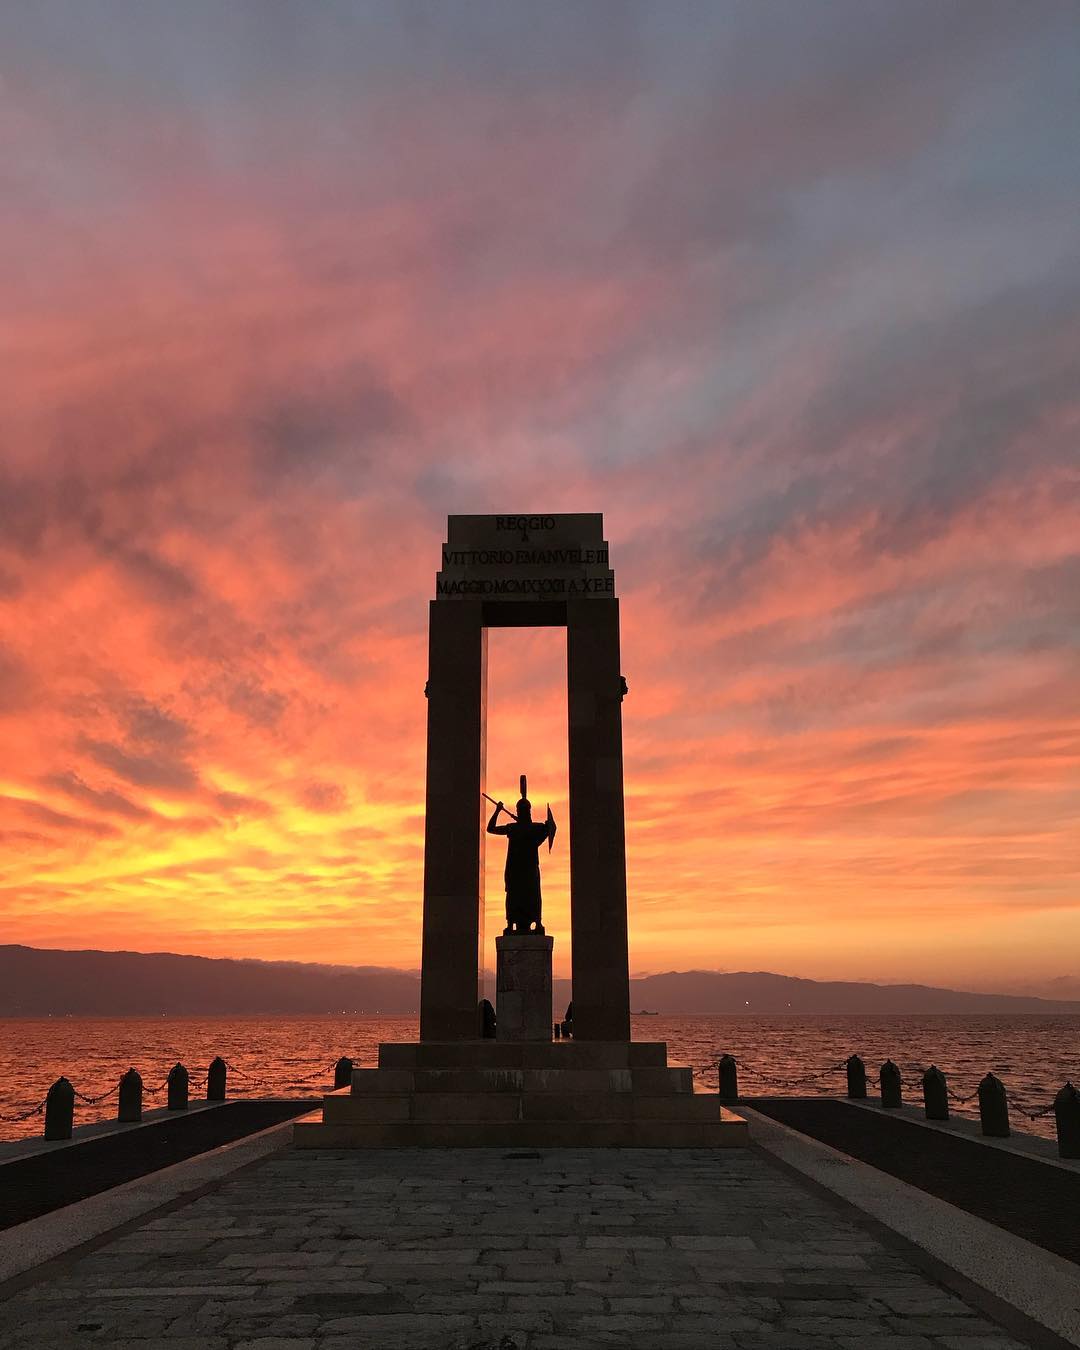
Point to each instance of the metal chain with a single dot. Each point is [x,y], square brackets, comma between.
[317,1074]
[16,1117]
[789,1082]
[92,1101]
[25,1115]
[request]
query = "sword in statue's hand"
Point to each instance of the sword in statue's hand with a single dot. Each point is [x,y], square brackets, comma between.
[495,803]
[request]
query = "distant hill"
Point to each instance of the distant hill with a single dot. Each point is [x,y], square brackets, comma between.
[710,991]
[36,982]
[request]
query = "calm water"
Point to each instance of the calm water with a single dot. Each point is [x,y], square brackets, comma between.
[1033,1055]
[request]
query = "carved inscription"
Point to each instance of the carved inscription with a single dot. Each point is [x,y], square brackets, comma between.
[552,557]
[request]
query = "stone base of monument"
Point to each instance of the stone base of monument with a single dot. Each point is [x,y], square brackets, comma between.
[571,1094]
[523,987]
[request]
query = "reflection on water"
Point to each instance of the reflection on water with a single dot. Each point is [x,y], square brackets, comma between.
[1034,1055]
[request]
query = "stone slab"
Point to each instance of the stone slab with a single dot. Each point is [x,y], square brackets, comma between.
[570,1054]
[556,1250]
[39,1240]
[729,1131]
[482,1107]
[1026,1279]
[676,1079]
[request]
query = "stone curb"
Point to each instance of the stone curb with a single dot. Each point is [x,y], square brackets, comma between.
[1020,1142]
[31,1244]
[1035,1283]
[16,1150]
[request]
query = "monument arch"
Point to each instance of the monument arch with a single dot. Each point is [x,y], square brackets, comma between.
[515,571]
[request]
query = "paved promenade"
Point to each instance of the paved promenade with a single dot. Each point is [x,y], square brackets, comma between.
[481,1248]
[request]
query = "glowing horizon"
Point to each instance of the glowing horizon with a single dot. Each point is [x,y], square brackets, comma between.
[795,305]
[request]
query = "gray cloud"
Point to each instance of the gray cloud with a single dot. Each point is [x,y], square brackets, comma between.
[60,820]
[115,803]
[144,770]
[325,797]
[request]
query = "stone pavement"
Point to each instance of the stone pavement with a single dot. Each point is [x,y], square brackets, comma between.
[488,1248]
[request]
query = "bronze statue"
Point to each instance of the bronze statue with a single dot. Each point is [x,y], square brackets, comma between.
[522,874]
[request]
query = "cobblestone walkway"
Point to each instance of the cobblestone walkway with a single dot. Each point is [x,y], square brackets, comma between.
[483,1248]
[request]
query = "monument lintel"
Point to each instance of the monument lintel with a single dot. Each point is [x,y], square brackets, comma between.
[525,557]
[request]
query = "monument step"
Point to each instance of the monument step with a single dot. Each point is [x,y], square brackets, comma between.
[729,1131]
[523,1055]
[476,1107]
[674,1079]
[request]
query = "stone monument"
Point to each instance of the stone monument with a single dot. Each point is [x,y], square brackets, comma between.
[523,953]
[458,1085]
[509,572]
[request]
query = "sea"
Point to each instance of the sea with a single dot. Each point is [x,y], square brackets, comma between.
[777,1056]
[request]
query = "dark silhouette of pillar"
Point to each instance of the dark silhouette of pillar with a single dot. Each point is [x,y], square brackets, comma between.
[729,1078]
[889,1082]
[178,1088]
[216,1079]
[599,955]
[935,1094]
[129,1103]
[993,1107]
[1067,1119]
[59,1110]
[856,1078]
[453,838]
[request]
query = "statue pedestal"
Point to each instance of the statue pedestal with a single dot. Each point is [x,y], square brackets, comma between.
[523,987]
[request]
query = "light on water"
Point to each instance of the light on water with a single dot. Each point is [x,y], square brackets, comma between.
[293,1056]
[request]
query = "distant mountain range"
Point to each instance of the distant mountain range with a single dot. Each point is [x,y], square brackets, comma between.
[37,982]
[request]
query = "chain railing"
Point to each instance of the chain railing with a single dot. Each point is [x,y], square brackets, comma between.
[20,1116]
[994,1102]
[58,1104]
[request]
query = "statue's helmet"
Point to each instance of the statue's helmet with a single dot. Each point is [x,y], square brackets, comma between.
[524,809]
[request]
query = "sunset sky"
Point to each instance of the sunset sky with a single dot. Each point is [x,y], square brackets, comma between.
[789,292]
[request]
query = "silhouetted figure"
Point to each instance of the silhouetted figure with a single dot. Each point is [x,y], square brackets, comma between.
[522,874]
[487,1020]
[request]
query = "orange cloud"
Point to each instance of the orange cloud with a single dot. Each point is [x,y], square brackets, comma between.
[279,320]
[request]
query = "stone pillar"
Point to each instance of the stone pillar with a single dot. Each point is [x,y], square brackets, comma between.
[453,838]
[600,958]
[523,987]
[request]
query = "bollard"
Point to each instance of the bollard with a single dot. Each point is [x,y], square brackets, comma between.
[178,1088]
[935,1091]
[59,1110]
[215,1080]
[729,1078]
[343,1072]
[993,1108]
[129,1105]
[486,1015]
[856,1077]
[1067,1116]
[889,1082]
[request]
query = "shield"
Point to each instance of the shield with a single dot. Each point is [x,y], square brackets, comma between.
[551,828]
